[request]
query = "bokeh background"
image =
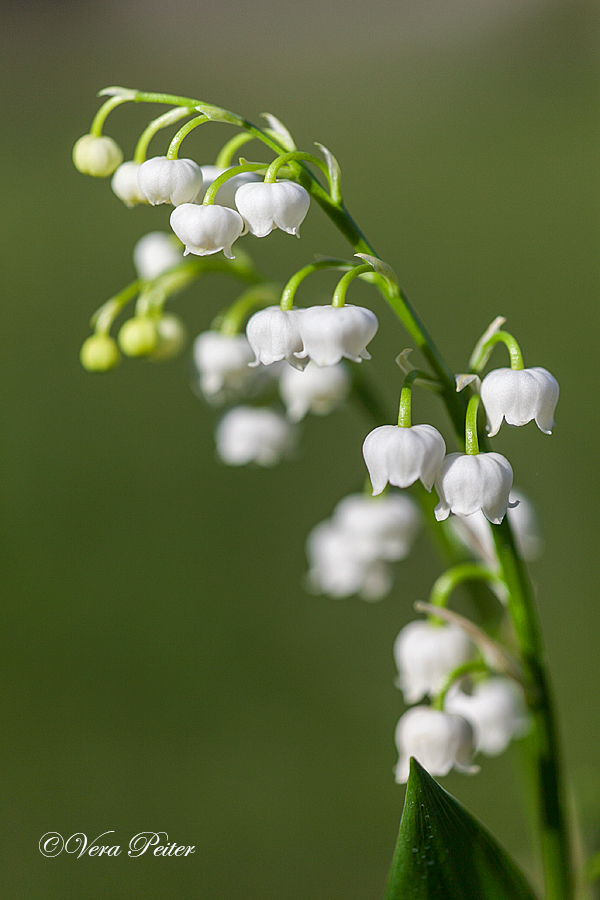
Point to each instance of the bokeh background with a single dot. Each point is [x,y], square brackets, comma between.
[162,666]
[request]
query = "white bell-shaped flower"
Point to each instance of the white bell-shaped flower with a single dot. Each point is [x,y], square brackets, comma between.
[466,483]
[222,362]
[175,181]
[474,531]
[496,710]
[402,455]
[274,334]
[97,155]
[156,253]
[339,566]
[440,741]
[226,194]
[518,396]
[315,390]
[283,205]
[425,654]
[249,434]
[206,229]
[125,184]
[385,528]
[332,332]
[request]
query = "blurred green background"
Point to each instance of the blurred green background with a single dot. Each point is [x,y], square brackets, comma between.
[162,666]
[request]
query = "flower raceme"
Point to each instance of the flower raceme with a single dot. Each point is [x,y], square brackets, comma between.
[400,456]
[440,741]
[518,396]
[264,206]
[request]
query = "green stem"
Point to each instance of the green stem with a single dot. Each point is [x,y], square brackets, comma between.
[295,156]
[289,291]
[451,578]
[479,359]
[404,407]
[231,321]
[545,751]
[168,118]
[339,294]
[105,109]
[223,160]
[173,150]
[471,438]
[209,197]
[468,668]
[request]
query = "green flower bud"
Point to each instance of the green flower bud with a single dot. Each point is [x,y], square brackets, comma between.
[171,337]
[99,353]
[138,336]
[97,155]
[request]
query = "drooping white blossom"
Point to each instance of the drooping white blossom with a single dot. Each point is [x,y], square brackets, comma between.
[316,390]
[250,434]
[156,253]
[385,528]
[402,455]
[222,362]
[175,181]
[518,396]
[339,567]
[274,334]
[283,205]
[226,194]
[474,531]
[206,229]
[332,332]
[125,184]
[496,710]
[440,741]
[467,483]
[97,155]
[425,654]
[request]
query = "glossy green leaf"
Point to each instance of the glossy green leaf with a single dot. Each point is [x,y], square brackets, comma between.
[444,853]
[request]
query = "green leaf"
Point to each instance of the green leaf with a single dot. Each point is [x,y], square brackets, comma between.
[444,853]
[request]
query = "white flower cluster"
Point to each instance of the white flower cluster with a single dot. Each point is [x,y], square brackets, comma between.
[477,716]
[352,552]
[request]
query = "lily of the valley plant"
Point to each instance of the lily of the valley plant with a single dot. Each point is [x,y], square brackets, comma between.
[267,362]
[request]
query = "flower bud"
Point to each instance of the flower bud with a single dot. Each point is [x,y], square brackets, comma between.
[155,253]
[125,184]
[206,229]
[97,155]
[440,741]
[332,332]
[518,396]
[99,353]
[171,337]
[175,181]
[283,204]
[138,336]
